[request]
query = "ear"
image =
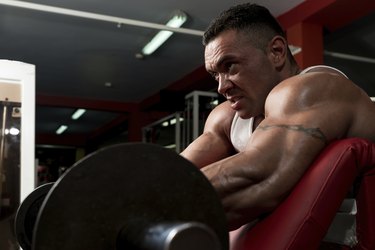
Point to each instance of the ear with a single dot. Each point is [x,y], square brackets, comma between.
[278,51]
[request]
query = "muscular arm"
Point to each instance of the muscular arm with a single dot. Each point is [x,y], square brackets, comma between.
[303,114]
[214,144]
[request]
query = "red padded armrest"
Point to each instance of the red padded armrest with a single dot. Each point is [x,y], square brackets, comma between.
[303,219]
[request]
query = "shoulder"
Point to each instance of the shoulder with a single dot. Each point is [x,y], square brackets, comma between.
[325,100]
[315,100]
[313,88]
[220,119]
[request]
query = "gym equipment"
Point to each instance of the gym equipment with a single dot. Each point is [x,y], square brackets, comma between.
[130,196]
[27,213]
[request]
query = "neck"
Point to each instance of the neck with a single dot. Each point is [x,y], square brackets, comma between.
[290,69]
[295,70]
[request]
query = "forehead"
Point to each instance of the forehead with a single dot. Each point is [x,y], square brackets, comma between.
[225,39]
[228,43]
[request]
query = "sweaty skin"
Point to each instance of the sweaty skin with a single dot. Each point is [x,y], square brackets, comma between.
[302,114]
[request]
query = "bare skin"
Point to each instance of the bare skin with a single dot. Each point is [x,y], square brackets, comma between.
[297,116]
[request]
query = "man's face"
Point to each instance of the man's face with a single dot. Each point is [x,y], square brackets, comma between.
[245,74]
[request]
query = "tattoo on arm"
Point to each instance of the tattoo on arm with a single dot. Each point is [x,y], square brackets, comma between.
[313,132]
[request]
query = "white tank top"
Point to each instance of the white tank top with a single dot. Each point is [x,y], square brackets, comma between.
[240,132]
[242,129]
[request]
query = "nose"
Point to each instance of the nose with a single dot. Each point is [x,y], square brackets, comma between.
[224,84]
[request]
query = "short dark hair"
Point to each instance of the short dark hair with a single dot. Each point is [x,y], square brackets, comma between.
[252,19]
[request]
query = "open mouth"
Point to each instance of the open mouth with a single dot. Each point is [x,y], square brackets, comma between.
[235,102]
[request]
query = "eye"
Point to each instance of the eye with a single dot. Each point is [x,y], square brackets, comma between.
[229,66]
[214,75]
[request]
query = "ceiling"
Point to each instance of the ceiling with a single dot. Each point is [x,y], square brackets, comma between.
[77,58]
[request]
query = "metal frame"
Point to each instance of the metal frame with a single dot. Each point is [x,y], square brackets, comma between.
[195,95]
[13,72]
[177,116]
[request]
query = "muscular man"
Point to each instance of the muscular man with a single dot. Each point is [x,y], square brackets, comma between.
[257,145]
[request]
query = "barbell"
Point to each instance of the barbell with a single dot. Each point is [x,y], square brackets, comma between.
[125,196]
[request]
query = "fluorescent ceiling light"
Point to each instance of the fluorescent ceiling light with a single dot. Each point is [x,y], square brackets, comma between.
[175,22]
[78,113]
[295,49]
[214,102]
[171,122]
[12,131]
[61,129]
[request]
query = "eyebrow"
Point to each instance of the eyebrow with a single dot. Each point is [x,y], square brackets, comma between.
[220,62]
[223,59]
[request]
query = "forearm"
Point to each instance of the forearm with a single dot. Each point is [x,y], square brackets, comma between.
[242,187]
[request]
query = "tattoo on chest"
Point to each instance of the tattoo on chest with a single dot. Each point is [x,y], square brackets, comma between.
[313,132]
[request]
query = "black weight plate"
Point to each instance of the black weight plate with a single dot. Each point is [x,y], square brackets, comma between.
[121,186]
[27,213]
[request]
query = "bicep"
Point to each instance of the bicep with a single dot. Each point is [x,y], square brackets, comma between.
[290,147]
